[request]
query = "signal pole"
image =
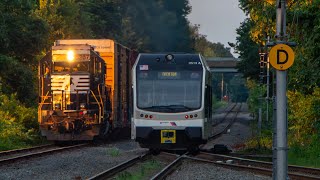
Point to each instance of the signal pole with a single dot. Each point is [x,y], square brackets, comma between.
[281,99]
[282,58]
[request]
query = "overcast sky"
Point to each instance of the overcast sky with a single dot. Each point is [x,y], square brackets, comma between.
[218,19]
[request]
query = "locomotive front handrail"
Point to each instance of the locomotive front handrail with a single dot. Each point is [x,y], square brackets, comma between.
[40,107]
[100,96]
[100,114]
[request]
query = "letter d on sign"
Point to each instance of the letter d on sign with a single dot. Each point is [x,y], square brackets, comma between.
[281,57]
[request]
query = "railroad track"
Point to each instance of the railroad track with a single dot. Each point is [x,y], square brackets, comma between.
[21,154]
[234,163]
[259,167]
[16,151]
[112,172]
[227,113]
[231,121]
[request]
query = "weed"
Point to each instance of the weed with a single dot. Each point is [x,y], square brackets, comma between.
[113,152]
[145,169]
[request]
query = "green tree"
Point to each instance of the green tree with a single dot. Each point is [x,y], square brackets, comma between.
[66,19]
[207,48]
[248,49]
[22,37]
[22,33]
[154,26]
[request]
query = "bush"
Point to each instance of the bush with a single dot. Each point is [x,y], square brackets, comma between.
[18,124]
[305,155]
[304,117]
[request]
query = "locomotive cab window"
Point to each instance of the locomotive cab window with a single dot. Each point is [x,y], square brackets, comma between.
[63,67]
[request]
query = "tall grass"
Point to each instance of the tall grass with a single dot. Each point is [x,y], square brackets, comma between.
[306,155]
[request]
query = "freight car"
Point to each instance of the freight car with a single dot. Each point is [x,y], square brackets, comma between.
[172,101]
[85,89]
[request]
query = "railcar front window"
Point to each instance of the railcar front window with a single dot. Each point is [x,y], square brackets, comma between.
[160,91]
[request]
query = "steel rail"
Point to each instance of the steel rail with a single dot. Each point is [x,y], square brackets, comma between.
[37,154]
[168,169]
[15,151]
[296,172]
[118,168]
[225,116]
[230,123]
[258,170]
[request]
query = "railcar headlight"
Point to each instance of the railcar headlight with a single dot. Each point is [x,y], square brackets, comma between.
[70,56]
[169,57]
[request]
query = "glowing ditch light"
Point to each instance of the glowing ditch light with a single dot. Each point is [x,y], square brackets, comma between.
[70,56]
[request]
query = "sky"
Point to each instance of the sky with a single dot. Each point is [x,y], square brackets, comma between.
[218,19]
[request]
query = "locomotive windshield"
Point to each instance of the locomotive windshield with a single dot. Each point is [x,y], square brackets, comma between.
[67,67]
[169,87]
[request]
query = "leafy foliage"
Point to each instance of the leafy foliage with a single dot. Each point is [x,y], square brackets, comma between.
[155,26]
[303,22]
[18,124]
[248,49]
[304,119]
[17,77]
[22,33]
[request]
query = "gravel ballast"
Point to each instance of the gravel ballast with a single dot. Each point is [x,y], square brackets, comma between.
[74,164]
[194,170]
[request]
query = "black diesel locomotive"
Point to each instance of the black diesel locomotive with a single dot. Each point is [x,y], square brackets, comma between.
[84,89]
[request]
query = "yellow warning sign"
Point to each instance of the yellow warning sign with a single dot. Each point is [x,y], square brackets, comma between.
[281,56]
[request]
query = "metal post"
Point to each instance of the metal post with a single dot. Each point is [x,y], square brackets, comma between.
[268,79]
[281,114]
[222,87]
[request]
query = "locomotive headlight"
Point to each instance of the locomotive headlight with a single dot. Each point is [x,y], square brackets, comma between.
[70,56]
[83,106]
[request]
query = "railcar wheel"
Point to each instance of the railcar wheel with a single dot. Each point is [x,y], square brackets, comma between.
[104,130]
[194,150]
[154,151]
[61,143]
